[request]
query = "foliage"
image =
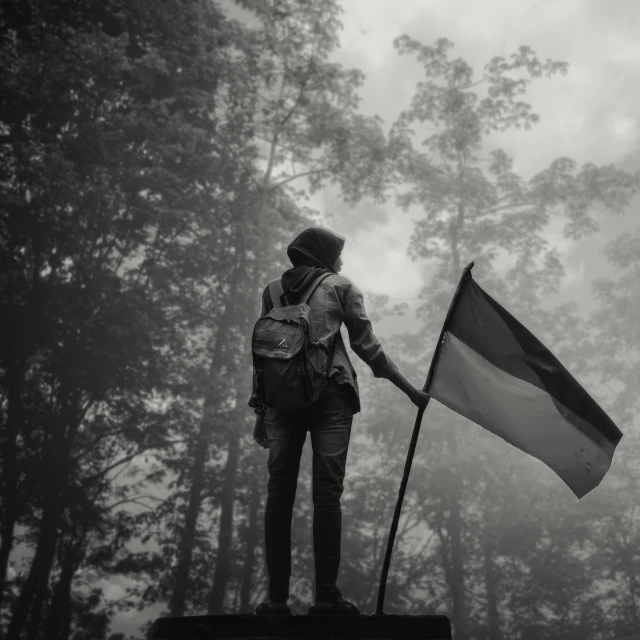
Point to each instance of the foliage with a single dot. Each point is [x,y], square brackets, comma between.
[154,161]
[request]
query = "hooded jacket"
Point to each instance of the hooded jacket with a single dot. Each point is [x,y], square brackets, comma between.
[337,300]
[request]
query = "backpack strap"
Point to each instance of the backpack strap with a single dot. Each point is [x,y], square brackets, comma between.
[275,290]
[313,287]
[305,297]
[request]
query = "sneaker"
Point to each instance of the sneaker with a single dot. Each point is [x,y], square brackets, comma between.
[273,609]
[338,606]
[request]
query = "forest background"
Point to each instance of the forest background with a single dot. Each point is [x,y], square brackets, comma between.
[156,158]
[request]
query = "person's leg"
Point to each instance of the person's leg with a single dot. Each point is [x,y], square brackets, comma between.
[285,449]
[330,434]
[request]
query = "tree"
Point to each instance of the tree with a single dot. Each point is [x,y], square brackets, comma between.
[472,214]
[615,363]
[306,118]
[109,175]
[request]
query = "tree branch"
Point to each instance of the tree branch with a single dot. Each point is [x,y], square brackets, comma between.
[227,146]
[295,177]
[507,206]
[287,117]
[475,84]
[134,499]
[274,140]
[123,461]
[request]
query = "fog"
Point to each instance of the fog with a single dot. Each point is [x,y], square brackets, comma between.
[150,193]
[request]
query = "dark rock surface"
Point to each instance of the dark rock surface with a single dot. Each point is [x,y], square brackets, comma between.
[317,627]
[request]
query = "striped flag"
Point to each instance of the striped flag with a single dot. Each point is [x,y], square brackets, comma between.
[495,372]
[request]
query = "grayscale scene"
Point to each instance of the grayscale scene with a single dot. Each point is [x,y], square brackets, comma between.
[320,318]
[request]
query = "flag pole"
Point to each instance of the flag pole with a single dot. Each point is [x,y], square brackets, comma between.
[412,446]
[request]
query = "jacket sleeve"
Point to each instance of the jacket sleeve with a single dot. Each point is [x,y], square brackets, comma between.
[254,401]
[361,337]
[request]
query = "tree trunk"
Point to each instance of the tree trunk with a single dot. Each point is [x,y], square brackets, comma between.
[9,502]
[493,617]
[222,572]
[251,544]
[456,583]
[58,624]
[34,623]
[6,534]
[9,512]
[455,493]
[38,571]
[225,533]
[633,587]
[181,574]
[56,458]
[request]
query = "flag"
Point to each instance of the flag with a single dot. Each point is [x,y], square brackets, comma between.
[495,372]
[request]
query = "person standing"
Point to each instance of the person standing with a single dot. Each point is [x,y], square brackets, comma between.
[314,252]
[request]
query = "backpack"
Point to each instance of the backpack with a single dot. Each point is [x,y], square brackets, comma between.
[291,367]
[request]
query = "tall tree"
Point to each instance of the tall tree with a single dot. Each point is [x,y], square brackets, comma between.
[615,361]
[110,174]
[472,214]
[307,128]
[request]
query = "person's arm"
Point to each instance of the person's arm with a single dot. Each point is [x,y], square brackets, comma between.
[403,384]
[368,348]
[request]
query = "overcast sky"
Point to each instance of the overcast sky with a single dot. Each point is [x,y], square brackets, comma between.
[589,115]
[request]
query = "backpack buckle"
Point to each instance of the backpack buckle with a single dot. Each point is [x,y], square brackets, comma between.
[317,343]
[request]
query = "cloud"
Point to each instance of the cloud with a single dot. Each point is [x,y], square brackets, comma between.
[589,115]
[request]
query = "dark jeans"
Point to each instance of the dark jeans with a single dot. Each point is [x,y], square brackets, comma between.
[329,421]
